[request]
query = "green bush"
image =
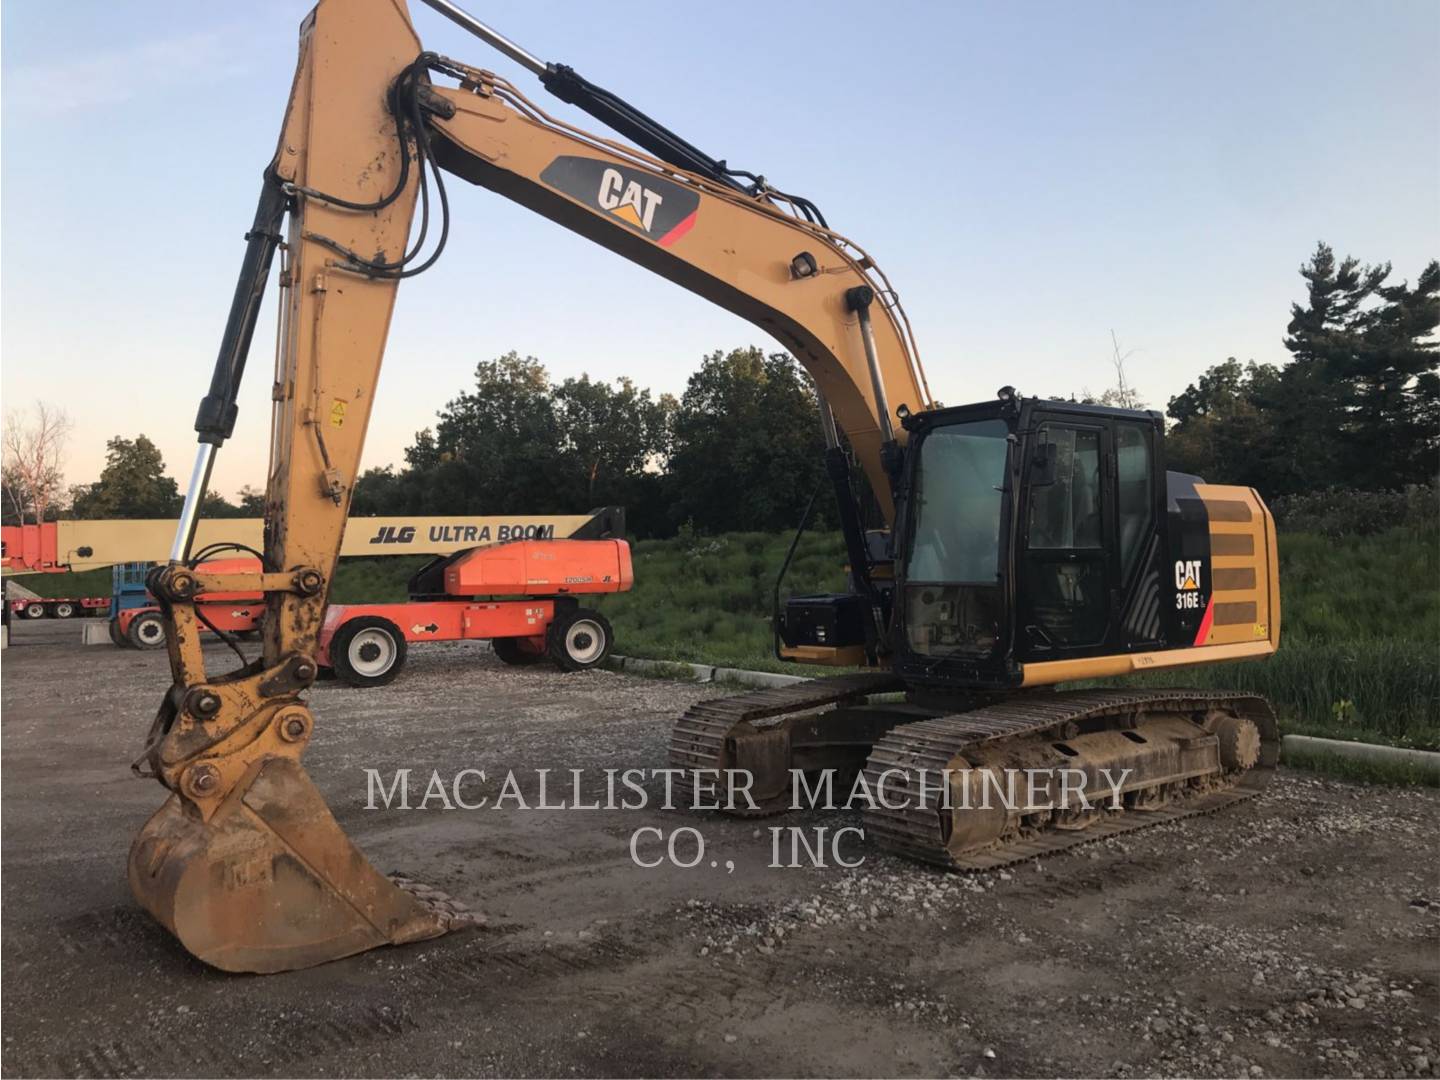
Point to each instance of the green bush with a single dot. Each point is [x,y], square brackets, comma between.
[1339,512]
[1358,654]
[375,581]
[708,599]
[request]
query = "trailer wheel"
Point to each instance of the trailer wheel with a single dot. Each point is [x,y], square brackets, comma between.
[510,651]
[579,639]
[368,651]
[116,636]
[34,611]
[147,631]
[64,610]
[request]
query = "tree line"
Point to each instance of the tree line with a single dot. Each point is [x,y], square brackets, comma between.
[1356,405]
[739,449]
[133,483]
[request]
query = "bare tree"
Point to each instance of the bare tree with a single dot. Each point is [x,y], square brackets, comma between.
[34,457]
[1122,395]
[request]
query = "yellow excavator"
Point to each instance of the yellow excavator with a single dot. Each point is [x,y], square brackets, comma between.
[995,550]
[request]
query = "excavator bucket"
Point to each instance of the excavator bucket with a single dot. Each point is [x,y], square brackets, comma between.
[271,882]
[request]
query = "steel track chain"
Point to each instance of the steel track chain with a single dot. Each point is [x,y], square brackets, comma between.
[915,832]
[698,739]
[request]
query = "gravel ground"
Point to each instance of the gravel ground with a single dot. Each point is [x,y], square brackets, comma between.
[1298,935]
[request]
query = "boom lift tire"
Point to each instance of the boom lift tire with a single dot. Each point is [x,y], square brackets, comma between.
[368,651]
[579,639]
[147,631]
[115,635]
[510,651]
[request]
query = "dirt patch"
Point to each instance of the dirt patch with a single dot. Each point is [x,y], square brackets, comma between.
[1298,935]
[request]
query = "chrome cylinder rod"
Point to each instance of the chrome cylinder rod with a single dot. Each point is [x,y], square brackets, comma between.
[194,497]
[858,300]
[493,38]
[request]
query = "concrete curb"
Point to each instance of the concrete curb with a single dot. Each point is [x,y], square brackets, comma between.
[1425,760]
[704,672]
[96,632]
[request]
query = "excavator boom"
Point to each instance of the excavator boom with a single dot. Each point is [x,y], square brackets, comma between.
[244,862]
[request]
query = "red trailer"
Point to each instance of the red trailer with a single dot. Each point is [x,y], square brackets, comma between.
[59,607]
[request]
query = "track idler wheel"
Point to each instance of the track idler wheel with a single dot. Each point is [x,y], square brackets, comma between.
[1239,740]
[271,883]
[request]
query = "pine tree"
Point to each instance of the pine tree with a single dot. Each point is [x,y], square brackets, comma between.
[1358,406]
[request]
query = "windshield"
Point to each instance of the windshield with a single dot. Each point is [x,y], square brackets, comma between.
[955,535]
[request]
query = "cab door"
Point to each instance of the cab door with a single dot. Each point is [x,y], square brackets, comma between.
[1139,510]
[1067,573]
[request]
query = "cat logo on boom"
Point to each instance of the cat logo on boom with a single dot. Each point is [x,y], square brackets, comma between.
[628,201]
[656,208]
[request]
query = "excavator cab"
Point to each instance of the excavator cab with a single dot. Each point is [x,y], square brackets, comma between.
[1042,541]
[1030,532]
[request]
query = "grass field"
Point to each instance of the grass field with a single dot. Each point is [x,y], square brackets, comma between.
[1358,657]
[90,583]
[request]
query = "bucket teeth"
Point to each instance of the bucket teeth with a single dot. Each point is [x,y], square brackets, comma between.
[451,912]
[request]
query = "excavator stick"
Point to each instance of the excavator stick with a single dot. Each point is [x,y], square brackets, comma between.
[244,863]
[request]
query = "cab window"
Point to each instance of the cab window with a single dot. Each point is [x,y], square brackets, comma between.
[1065,515]
[1134,496]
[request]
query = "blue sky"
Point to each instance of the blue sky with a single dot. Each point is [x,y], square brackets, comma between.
[1030,175]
